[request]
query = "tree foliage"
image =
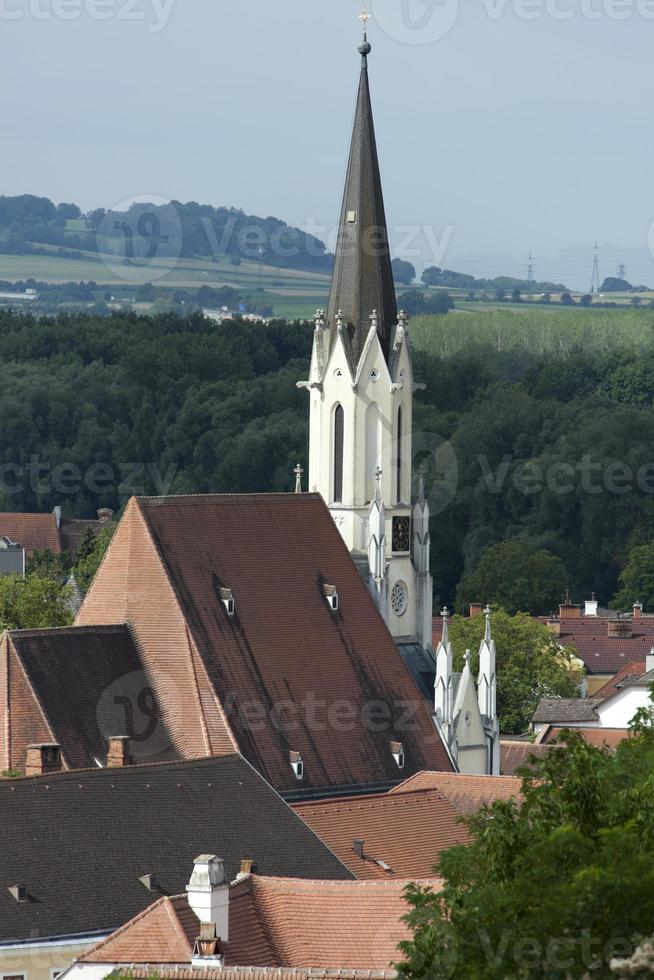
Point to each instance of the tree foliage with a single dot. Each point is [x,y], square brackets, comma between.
[530,664]
[517,576]
[637,579]
[555,888]
[33,603]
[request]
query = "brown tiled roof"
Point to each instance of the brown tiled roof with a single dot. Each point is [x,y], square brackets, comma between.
[406,831]
[278,922]
[33,532]
[566,710]
[635,668]
[162,933]
[516,755]
[283,655]
[76,676]
[588,636]
[608,737]
[80,841]
[70,531]
[466,793]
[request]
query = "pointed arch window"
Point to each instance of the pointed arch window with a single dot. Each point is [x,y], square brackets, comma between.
[399,461]
[339,440]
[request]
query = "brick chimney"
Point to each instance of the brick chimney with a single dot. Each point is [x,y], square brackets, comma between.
[208,893]
[567,610]
[105,515]
[118,753]
[619,628]
[638,610]
[43,758]
[476,609]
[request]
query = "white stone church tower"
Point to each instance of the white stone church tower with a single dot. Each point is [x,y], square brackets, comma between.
[361,388]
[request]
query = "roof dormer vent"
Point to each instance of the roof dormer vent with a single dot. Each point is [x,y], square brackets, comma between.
[228,601]
[397,751]
[19,892]
[296,764]
[331,595]
[151,881]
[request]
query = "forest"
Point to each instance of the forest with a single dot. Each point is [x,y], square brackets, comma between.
[537,430]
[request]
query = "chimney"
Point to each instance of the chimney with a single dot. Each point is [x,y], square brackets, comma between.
[567,610]
[357,847]
[476,609]
[41,759]
[118,754]
[208,893]
[207,948]
[590,606]
[649,661]
[248,867]
[57,516]
[104,515]
[638,610]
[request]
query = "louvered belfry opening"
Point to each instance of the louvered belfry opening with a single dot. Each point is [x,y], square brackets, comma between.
[363,278]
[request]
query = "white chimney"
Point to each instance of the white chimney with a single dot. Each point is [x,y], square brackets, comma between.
[57,516]
[590,608]
[208,893]
[649,661]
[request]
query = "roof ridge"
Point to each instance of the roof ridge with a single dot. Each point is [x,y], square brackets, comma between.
[98,771]
[68,629]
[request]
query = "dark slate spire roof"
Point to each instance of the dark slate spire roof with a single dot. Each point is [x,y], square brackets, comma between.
[363,278]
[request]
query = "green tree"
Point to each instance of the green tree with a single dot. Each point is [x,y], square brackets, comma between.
[586,300]
[531,664]
[637,579]
[90,554]
[553,888]
[516,295]
[403,272]
[33,603]
[516,576]
[48,564]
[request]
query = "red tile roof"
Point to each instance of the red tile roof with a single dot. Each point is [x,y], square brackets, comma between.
[276,922]
[285,671]
[636,668]
[406,831]
[260,973]
[608,737]
[589,636]
[467,794]
[516,755]
[33,532]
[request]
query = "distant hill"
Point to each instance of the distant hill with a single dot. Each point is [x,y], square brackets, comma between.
[434,276]
[33,225]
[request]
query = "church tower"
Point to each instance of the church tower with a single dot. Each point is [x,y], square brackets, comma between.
[361,391]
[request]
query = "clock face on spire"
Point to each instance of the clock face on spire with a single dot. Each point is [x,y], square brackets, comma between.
[401,534]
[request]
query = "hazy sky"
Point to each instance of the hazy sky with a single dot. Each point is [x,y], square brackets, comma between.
[526,125]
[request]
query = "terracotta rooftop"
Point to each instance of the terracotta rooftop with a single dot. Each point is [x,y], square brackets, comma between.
[274,674]
[76,687]
[607,737]
[467,794]
[516,755]
[634,669]
[33,532]
[402,833]
[62,835]
[276,922]
[589,636]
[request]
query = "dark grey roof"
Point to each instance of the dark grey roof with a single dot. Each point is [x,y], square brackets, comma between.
[638,680]
[421,666]
[567,709]
[363,277]
[91,684]
[79,841]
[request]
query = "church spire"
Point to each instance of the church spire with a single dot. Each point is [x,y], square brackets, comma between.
[363,277]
